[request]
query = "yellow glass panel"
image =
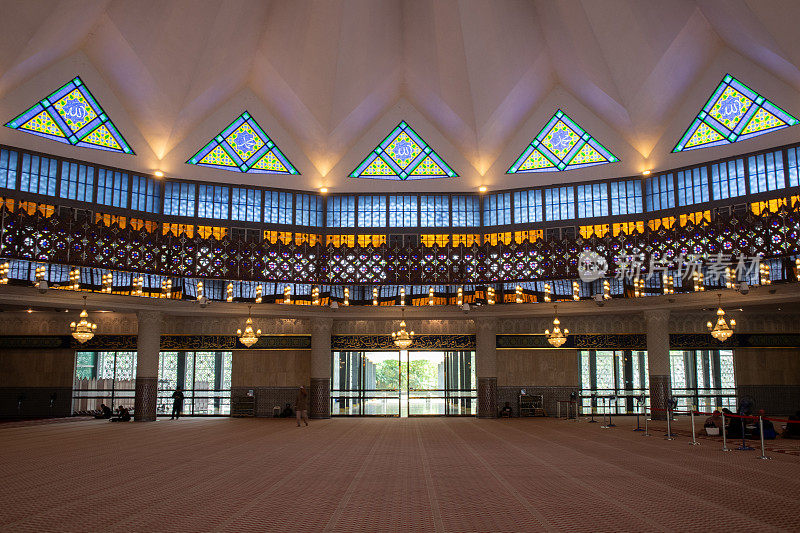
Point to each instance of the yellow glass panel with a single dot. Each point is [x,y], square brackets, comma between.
[771,206]
[148,225]
[178,229]
[466,239]
[371,240]
[435,239]
[341,240]
[498,238]
[108,220]
[212,231]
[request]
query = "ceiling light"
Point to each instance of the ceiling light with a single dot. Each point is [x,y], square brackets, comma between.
[83,330]
[557,337]
[158,174]
[646,173]
[323,190]
[30,310]
[482,188]
[721,330]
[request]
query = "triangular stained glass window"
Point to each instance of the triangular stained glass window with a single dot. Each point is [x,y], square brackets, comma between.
[734,112]
[72,115]
[403,155]
[243,147]
[561,145]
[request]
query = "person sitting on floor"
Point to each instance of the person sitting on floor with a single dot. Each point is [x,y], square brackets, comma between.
[714,421]
[769,428]
[105,412]
[792,430]
[287,411]
[123,415]
[506,411]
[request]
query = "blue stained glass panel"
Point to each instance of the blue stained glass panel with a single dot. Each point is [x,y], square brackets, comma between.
[179,199]
[112,188]
[766,172]
[277,207]
[692,186]
[145,194]
[77,182]
[592,200]
[246,204]
[212,202]
[341,212]
[728,179]
[659,192]
[527,206]
[403,211]
[626,197]
[8,169]
[793,156]
[434,211]
[38,175]
[308,211]
[497,209]
[466,212]
[559,203]
[372,211]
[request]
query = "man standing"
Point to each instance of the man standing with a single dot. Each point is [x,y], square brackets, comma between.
[177,404]
[301,405]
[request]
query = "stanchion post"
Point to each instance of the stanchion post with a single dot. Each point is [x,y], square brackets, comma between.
[646,432]
[724,437]
[669,426]
[761,432]
[744,446]
[558,409]
[694,440]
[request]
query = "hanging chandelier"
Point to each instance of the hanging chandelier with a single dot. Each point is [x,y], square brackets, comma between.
[556,337]
[403,339]
[83,330]
[722,330]
[248,337]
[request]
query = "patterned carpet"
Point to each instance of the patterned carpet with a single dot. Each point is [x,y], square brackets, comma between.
[385,475]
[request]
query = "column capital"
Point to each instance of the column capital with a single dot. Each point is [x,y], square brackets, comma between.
[322,325]
[485,324]
[149,317]
[656,316]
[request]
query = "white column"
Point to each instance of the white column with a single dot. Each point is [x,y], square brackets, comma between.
[486,366]
[320,390]
[148,344]
[658,359]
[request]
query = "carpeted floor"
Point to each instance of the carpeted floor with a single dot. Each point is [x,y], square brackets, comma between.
[401,475]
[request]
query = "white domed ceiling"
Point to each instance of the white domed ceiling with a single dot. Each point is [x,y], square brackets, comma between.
[328,80]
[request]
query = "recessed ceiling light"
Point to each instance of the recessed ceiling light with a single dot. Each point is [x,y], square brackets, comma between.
[323,190]
[482,188]
[646,173]
[30,310]
[158,174]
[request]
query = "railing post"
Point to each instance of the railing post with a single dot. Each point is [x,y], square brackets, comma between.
[724,437]
[694,440]
[669,426]
[761,432]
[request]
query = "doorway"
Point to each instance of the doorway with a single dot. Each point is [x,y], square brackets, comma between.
[403,383]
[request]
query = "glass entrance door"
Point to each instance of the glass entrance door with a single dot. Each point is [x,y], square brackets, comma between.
[404,383]
[441,383]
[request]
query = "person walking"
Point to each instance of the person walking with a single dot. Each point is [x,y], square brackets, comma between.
[177,404]
[301,405]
